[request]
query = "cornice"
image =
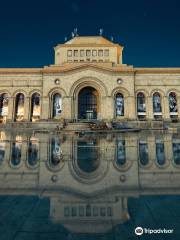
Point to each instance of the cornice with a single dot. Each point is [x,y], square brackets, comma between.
[73,67]
[93,45]
[174,70]
[77,66]
[20,71]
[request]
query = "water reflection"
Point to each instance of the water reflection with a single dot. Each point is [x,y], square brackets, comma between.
[176,151]
[143,153]
[87,156]
[2,152]
[33,150]
[16,151]
[55,152]
[121,153]
[89,181]
[160,155]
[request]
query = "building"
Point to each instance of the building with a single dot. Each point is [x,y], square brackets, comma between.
[88,80]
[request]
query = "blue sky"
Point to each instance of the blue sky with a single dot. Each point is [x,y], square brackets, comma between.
[148,30]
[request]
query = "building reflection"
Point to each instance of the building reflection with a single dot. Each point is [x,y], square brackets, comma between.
[89,179]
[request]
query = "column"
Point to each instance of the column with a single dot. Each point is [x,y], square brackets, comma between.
[11,109]
[107,109]
[149,108]
[130,108]
[27,108]
[24,149]
[66,108]
[165,108]
[151,148]
[168,147]
[178,105]
[45,109]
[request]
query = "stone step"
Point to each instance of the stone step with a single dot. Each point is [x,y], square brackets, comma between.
[77,126]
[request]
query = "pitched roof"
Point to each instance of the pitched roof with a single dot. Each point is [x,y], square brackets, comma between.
[89,40]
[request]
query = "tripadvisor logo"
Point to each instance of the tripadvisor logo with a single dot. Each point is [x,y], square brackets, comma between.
[139,231]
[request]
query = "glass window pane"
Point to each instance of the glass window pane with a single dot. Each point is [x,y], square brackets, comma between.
[143,153]
[176,152]
[66,212]
[121,153]
[57,105]
[2,152]
[33,153]
[69,53]
[157,103]
[56,152]
[75,53]
[87,156]
[4,104]
[172,102]
[141,107]
[100,53]
[106,53]
[119,105]
[160,154]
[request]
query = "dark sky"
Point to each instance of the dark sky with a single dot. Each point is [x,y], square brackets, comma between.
[149,30]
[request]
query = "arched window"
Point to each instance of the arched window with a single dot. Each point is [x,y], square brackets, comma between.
[143,153]
[157,108]
[173,104]
[120,153]
[119,104]
[57,105]
[55,152]
[16,151]
[141,105]
[160,154]
[176,152]
[2,152]
[33,149]
[35,107]
[4,104]
[19,107]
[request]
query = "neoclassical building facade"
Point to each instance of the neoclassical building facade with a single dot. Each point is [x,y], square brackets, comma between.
[89,81]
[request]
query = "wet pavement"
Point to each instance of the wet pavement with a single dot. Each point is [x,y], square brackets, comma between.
[89,187]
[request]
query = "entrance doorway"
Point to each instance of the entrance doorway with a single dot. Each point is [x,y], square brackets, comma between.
[88,103]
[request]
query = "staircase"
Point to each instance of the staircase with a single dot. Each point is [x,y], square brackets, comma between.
[77,126]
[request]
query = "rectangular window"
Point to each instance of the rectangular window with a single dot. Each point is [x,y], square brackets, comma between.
[100,53]
[109,212]
[106,53]
[66,212]
[103,211]
[81,211]
[74,211]
[69,53]
[82,53]
[94,53]
[75,53]
[88,53]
